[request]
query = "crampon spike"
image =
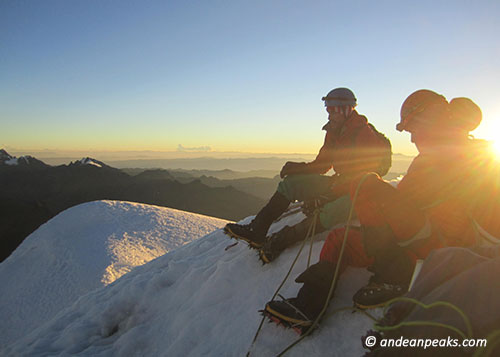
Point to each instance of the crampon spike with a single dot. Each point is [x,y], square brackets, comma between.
[298,329]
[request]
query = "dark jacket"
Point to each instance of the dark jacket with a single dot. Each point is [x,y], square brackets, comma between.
[352,149]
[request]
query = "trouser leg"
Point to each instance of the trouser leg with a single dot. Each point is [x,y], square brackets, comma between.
[388,220]
[317,280]
[272,210]
[354,253]
[304,187]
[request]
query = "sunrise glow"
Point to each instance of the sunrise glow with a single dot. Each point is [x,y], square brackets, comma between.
[496,148]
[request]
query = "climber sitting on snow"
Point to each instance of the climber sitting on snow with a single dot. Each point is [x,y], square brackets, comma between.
[352,146]
[449,197]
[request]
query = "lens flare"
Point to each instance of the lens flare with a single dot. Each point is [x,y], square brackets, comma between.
[496,149]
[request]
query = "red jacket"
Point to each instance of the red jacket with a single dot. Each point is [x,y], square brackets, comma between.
[353,149]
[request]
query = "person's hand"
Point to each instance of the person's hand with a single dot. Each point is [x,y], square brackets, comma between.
[291,168]
[309,206]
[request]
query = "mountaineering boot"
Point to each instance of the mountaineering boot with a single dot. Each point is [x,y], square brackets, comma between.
[289,312]
[378,294]
[286,237]
[253,236]
[392,268]
[306,307]
[255,232]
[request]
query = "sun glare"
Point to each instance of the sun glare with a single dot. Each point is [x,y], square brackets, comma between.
[496,148]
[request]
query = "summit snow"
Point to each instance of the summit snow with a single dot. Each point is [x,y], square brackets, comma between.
[89,161]
[201,298]
[82,249]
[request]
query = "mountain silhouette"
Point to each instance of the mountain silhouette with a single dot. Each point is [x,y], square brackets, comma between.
[32,192]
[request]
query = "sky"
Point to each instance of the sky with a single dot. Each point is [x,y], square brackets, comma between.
[232,76]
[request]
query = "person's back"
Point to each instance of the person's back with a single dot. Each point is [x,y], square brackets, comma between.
[359,148]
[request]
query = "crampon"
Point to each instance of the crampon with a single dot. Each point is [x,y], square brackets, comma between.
[297,328]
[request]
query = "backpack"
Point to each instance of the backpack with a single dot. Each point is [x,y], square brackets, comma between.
[385,154]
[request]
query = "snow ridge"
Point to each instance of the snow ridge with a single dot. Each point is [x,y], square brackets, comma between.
[199,299]
[82,249]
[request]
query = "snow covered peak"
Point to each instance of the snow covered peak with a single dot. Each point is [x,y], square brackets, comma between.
[198,300]
[7,159]
[82,249]
[25,161]
[22,160]
[4,156]
[91,162]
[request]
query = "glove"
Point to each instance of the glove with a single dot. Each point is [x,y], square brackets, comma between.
[309,206]
[292,168]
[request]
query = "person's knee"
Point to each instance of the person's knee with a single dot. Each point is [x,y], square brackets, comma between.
[285,187]
[294,186]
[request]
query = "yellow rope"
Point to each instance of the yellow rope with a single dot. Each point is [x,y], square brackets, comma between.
[310,233]
[335,277]
[427,306]
[493,340]
[313,233]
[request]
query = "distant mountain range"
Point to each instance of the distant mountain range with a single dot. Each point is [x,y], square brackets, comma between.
[250,182]
[32,192]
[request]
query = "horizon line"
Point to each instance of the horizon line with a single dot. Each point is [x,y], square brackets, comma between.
[175,154]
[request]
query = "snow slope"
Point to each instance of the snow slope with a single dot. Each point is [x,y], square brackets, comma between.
[198,300]
[82,249]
